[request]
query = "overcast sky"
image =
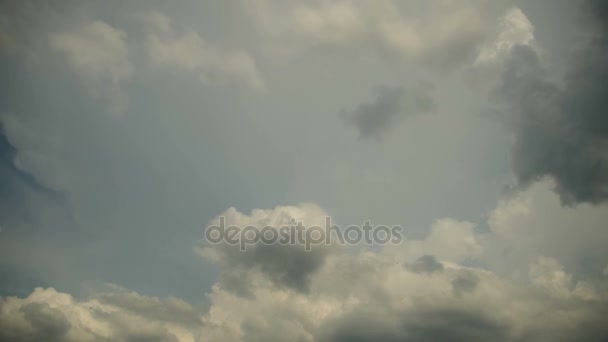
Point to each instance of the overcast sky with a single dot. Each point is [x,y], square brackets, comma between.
[126,127]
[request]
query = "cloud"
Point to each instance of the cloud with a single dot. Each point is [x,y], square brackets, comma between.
[376,118]
[423,325]
[48,323]
[289,266]
[49,315]
[464,282]
[380,300]
[514,29]
[369,295]
[356,294]
[447,239]
[186,50]
[531,224]
[426,264]
[99,54]
[441,36]
[138,187]
[559,126]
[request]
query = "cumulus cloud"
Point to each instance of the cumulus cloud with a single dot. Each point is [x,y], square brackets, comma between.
[381,300]
[440,35]
[447,239]
[559,126]
[99,54]
[114,315]
[288,265]
[186,50]
[375,118]
[351,294]
[370,295]
[533,223]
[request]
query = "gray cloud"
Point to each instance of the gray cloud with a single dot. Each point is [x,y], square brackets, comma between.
[422,325]
[286,265]
[392,103]
[48,315]
[48,324]
[561,128]
[425,264]
[41,323]
[464,282]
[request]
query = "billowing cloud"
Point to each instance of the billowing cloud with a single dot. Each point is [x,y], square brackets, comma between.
[514,29]
[352,294]
[114,315]
[441,36]
[532,224]
[391,104]
[289,265]
[560,127]
[371,295]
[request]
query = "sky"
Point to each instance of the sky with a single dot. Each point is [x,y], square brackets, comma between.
[127,128]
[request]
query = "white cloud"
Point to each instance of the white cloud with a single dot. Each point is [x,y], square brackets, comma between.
[115,315]
[441,34]
[289,266]
[186,50]
[448,240]
[376,295]
[534,224]
[357,294]
[514,29]
[371,297]
[98,52]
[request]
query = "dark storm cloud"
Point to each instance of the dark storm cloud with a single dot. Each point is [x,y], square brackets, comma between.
[425,264]
[562,128]
[391,104]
